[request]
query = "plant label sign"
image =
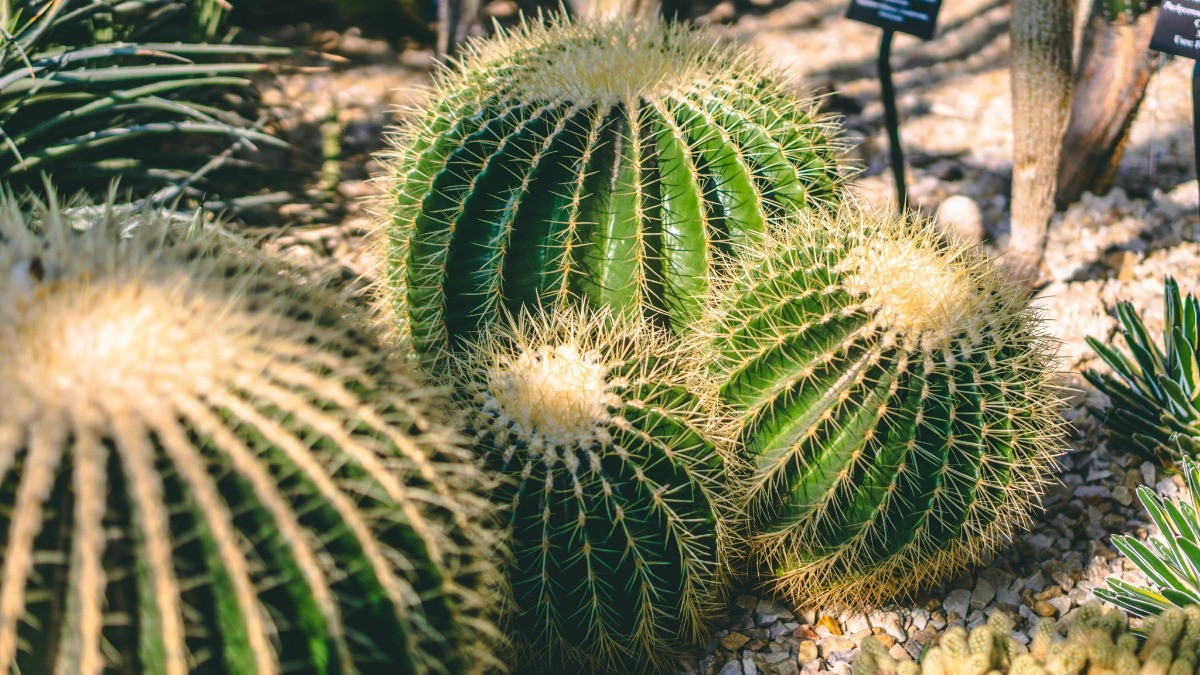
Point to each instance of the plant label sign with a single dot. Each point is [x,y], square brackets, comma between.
[1178,28]
[915,17]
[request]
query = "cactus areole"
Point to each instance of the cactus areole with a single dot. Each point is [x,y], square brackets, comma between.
[611,160]
[895,395]
[612,493]
[205,468]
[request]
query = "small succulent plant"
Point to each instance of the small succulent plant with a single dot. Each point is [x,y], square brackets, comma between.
[1170,559]
[1155,395]
[611,160]
[1097,643]
[1128,10]
[204,467]
[895,395]
[615,527]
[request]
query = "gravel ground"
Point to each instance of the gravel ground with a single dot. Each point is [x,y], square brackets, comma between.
[954,100]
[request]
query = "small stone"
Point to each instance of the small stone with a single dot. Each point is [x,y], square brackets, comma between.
[919,618]
[1148,473]
[811,668]
[747,602]
[882,638]
[731,668]
[830,624]
[1166,488]
[962,216]
[1122,495]
[983,594]
[958,601]
[1007,596]
[1044,609]
[891,624]
[898,652]
[835,645]
[734,641]
[1062,604]
[1093,492]
[769,612]
[748,666]
[807,652]
[856,623]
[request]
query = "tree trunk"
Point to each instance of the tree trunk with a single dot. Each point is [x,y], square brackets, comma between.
[600,9]
[1115,66]
[1042,42]
[456,21]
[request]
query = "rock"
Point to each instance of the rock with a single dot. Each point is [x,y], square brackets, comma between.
[830,624]
[856,623]
[957,601]
[1167,489]
[731,668]
[807,652]
[1044,608]
[1122,495]
[835,645]
[919,618]
[748,666]
[747,602]
[769,612]
[1062,604]
[983,594]
[960,215]
[890,623]
[734,641]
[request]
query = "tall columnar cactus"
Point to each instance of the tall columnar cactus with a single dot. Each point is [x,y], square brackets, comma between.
[204,468]
[614,523]
[895,395]
[612,160]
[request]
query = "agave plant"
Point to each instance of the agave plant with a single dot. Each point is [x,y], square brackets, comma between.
[81,103]
[1170,560]
[207,466]
[1155,394]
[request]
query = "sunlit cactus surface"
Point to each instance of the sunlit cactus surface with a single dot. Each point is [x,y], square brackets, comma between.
[610,160]
[895,394]
[204,468]
[615,524]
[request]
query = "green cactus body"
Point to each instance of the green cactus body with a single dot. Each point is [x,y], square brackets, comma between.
[614,527]
[894,393]
[205,468]
[1128,10]
[1097,643]
[613,161]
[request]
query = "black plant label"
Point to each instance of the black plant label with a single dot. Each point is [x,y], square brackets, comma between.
[915,17]
[1178,28]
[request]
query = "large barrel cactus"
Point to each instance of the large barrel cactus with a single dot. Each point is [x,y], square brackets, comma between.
[610,160]
[895,395]
[613,515]
[204,468]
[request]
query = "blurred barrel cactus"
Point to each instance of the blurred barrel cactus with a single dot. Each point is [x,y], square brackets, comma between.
[614,526]
[204,468]
[612,160]
[893,391]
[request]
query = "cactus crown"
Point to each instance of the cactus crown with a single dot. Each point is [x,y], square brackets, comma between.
[614,161]
[212,469]
[894,392]
[605,63]
[613,502]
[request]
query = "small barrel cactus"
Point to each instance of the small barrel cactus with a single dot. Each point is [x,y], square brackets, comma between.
[1154,393]
[894,393]
[205,468]
[611,160]
[614,524]
[1097,643]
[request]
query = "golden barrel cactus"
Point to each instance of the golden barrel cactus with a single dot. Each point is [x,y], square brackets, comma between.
[204,467]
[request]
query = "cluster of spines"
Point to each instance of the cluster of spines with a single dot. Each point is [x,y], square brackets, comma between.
[1097,643]
[640,177]
[616,520]
[894,393]
[208,467]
